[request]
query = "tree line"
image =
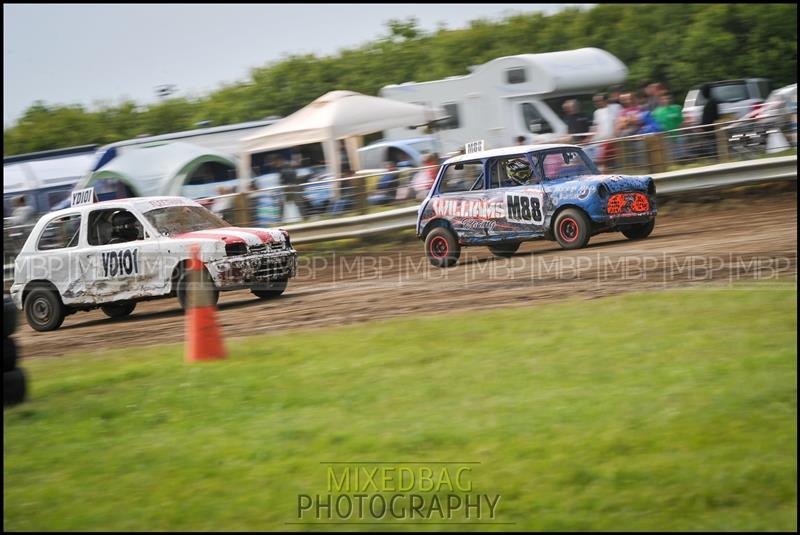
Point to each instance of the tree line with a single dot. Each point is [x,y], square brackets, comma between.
[680,45]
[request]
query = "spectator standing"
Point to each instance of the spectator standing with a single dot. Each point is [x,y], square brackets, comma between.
[603,129]
[292,191]
[653,94]
[669,117]
[708,146]
[223,204]
[628,121]
[424,178]
[387,185]
[22,213]
[576,122]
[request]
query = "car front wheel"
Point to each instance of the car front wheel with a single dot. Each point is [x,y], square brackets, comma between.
[442,247]
[270,289]
[44,309]
[571,229]
[183,287]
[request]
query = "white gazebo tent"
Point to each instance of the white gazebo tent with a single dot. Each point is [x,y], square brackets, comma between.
[337,115]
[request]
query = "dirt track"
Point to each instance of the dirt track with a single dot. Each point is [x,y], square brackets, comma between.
[745,239]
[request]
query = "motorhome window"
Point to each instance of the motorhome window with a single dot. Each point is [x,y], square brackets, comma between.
[467,176]
[534,122]
[585,105]
[515,76]
[454,120]
[60,233]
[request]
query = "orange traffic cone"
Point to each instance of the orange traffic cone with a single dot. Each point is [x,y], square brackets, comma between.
[203,340]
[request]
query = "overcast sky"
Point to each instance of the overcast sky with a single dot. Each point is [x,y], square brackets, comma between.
[81,53]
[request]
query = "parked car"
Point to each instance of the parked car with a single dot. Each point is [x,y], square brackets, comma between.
[777,115]
[113,254]
[736,98]
[503,197]
[374,156]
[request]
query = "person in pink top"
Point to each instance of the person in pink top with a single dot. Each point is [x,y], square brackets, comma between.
[424,178]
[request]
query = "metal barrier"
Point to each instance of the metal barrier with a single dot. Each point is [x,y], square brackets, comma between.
[671,183]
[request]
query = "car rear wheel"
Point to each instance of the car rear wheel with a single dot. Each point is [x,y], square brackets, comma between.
[639,232]
[504,250]
[571,229]
[44,309]
[270,289]
[118,310]
[206,285]
[442,248]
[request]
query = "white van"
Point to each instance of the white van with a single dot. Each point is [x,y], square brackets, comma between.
[511,96]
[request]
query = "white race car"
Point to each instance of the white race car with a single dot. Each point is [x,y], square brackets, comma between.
[112,254]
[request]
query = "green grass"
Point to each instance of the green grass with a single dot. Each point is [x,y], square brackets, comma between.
[662,411]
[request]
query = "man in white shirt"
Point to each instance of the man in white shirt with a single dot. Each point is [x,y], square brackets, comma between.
[605,118]
[22,214]
[603,128]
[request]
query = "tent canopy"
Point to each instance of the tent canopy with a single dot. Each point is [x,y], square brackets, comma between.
[336,115]
[45,173]
[160,169]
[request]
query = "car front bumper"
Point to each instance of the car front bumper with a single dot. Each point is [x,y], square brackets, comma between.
[246,270]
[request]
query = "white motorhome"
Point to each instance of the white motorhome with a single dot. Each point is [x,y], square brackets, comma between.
[511,96]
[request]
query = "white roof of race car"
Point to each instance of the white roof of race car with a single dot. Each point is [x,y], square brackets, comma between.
[507,151]
[142,204]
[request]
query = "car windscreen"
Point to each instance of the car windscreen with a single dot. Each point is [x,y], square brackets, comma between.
[567,163]
[173,220]
[730,92]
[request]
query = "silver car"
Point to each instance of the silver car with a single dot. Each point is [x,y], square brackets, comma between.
[736,98]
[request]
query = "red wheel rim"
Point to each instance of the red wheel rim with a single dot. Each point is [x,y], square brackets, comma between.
[568,229]
[438,247]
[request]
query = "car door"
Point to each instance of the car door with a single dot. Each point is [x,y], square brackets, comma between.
[120,267]
[521,195]
[462,199]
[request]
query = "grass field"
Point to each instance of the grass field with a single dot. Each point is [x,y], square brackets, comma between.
[673,410]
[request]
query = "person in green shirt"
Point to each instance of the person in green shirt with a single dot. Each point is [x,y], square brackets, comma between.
[669,117]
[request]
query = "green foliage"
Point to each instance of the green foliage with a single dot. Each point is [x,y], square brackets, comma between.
[680,44]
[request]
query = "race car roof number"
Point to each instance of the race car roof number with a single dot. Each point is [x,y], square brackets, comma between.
[474,146]
[83,196]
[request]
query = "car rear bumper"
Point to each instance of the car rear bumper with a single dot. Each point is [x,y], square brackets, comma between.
[625,219]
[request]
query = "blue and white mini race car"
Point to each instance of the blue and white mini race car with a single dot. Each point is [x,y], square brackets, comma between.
[502,197]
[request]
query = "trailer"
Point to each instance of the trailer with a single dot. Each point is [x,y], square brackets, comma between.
[511,96]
